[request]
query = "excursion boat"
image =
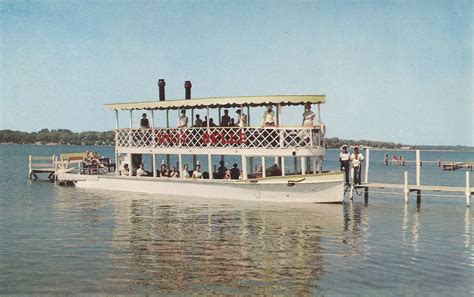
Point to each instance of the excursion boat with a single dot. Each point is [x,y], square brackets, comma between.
[263,155]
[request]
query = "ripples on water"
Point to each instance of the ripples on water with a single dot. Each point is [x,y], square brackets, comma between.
[57,240]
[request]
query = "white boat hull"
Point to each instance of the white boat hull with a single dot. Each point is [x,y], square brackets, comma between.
[317,188]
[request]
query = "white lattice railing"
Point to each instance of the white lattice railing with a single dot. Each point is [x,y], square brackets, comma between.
[248,137]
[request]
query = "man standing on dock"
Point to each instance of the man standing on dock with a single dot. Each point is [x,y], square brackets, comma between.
[357,159]
[344,158]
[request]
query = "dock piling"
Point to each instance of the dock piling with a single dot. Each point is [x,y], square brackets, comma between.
[468,191]
[367,151]
[418,167]
[405,187]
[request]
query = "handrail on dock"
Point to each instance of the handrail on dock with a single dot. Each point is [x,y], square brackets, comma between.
[41,164]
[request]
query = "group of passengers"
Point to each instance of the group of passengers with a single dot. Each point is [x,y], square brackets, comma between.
[269,119]
[165,171]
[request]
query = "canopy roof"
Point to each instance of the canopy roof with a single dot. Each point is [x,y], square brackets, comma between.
[226,102]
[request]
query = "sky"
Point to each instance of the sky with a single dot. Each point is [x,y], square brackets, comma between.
[396,71]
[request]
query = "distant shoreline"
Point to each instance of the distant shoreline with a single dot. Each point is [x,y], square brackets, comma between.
[106,138]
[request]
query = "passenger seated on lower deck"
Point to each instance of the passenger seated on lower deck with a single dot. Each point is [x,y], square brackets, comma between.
[141,170]
[235,172]
[221,170]
[125,171]
[163,170]
[174,173]
[274,170]
[197,172]
[185,173]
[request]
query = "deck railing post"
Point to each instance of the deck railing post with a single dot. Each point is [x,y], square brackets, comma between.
[405,187]
[417,167]
[154,164]
[468,190]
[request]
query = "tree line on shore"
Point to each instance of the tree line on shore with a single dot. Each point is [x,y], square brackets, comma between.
[57,136]
[67,137]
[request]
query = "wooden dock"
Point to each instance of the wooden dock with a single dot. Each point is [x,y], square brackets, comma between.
[406,189]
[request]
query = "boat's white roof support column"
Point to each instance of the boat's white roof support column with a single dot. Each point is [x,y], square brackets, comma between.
[116,119]
[248,116]
[207,118]
[153,138]
[192,118]
[314,165]
[244,167]
[279,124]
[167,126]
[130,141]
[264,171]
[154,164]
[116,154]
[209,163]
[303,165]
[282,166]
[319,112]
[219,117]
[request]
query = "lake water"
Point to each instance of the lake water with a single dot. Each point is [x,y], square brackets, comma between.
[63,240]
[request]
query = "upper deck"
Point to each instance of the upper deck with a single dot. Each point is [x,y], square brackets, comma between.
[280,139]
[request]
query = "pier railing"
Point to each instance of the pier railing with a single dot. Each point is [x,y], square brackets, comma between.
[232,137]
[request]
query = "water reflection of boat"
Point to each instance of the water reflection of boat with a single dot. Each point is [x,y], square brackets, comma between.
[267,144]
[195,248]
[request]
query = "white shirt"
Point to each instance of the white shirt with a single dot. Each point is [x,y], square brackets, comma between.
[183,121]
[197,174]
[185,174]
[141,172]
[345,156]
[268,117]
[308,117]
[242,120]
[356,162]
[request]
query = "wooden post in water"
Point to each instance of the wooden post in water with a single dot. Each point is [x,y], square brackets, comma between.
[405,187]
[367,151]
[29,166]
[417,167]
[351,192]
[468,190]
[418,197]
[366,195]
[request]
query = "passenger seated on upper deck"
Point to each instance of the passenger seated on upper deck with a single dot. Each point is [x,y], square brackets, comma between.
[144,122]
[198,121]
[269,117]
[197,172]
[183,120]
[221,170]
[232,123]
[125,171]
[241,119]
[211,123]
[225,120]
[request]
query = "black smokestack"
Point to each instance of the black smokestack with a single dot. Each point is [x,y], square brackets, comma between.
[161,85]
[187,87]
